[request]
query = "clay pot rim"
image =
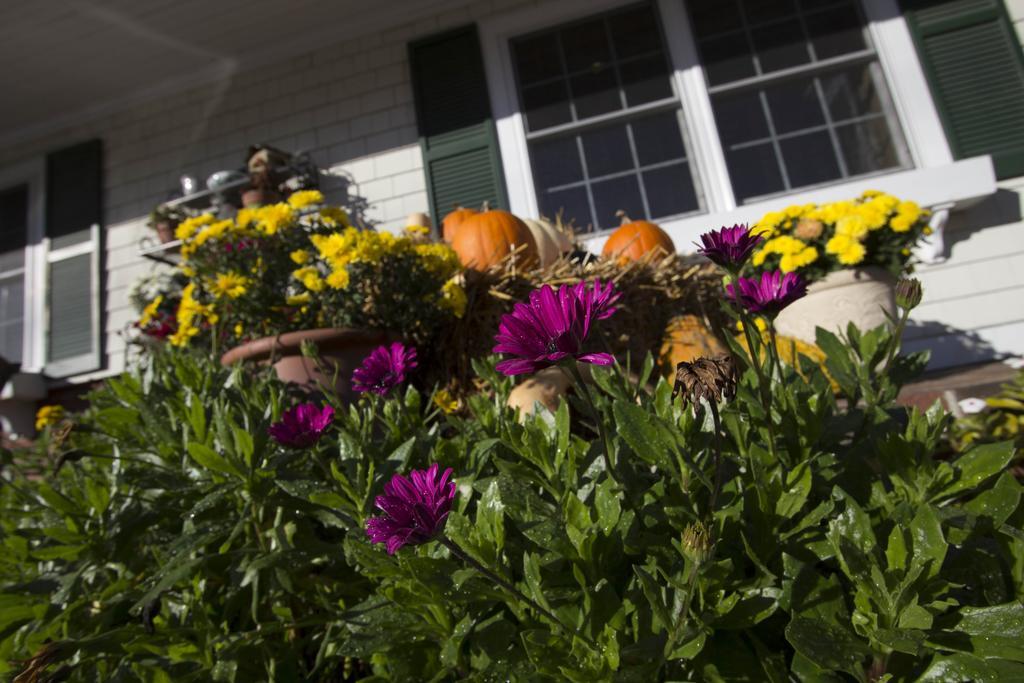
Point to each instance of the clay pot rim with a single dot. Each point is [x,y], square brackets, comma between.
[850,276]
[290,343]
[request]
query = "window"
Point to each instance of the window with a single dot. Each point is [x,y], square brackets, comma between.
[13,239]
[603,121]
[797,93]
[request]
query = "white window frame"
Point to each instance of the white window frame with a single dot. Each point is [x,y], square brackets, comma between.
[935,180]
[33,175]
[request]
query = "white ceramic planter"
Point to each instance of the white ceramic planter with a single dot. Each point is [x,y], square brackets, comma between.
[861,296]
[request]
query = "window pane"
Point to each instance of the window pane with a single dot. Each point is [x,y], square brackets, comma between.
[572,204]
[714,16]
[556,162]
[537,59]
[810,159]
[12,304]
[754,171]
[645,80]
[795,105]
[767,10]
[632,32]
[867,146]
[670,190]
[607,151]
[740,117]
[614,195]
[835,31]
[851,93]
[546,105]
[780,46]
[727,59]
[658,138]
[595,93]
[585,45]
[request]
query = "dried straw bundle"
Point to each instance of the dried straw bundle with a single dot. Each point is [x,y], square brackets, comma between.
[653,290]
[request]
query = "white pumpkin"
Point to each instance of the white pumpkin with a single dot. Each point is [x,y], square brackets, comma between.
[546,388]
[547,247]
[418,219]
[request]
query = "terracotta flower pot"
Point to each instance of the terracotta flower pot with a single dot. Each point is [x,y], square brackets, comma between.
[341,351]
[862,296]
[165,231]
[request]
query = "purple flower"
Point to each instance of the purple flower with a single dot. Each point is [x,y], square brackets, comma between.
[773,292]
[415,509]
[384,369]
[552,327]
[729,247]
[302,426]
[603,298]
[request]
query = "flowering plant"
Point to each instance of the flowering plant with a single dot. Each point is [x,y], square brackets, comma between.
[300,264]
[875,229]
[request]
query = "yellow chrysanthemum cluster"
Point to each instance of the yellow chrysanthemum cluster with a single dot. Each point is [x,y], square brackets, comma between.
[453,297]
[48,415]
[231,285]
[190,313]
[852,222]
[794,253]
[304,198]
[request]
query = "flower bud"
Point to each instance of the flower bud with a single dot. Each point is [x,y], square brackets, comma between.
[697,543]
[908,293]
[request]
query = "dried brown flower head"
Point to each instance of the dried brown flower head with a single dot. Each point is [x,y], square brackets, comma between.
[711,378]
[808,229]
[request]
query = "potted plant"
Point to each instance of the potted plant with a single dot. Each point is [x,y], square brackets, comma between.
[273,278]
[163,220]
[850,251]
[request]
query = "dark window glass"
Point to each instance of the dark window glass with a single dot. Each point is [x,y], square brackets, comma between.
[794,105]
[851,93]
[670,190]
[727,59]
[614,195]
[607,151]
[711,17]
[571,204]
[740,117]
[657,138]
[585,45]
[835,31]
[546,105]
[867,146]
[780,46]
[556,162]
[632,31]
[537,59]
[810,159]
[595,93]
[645,80]
[754,171]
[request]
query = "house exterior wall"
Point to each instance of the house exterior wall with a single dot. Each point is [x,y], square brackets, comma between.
[352,105]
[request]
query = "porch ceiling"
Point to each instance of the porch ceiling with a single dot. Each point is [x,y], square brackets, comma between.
[62,58]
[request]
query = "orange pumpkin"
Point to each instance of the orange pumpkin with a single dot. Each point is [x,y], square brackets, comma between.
[634,239]
[454,220]
[687,338]
[487,238]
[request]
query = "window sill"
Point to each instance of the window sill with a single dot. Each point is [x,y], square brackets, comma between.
[953,185]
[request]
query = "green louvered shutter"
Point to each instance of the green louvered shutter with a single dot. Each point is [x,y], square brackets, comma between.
[973,62]
[73,281]
[453,113]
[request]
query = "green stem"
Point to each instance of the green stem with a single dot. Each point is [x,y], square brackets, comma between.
[894,343]
[609,457]
[763,387]
[507,585]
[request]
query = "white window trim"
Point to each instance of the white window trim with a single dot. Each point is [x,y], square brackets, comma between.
[936,180]
[32,174]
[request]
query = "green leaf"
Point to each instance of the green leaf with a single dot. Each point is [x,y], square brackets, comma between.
[896,550]
[977,465]
[652,592]
[490,516]
[609,508]
[208,458]
[797,488]
[997,503]
[828,645]
[928,543]
[531,571]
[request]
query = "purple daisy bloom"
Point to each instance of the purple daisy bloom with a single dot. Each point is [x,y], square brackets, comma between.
[384,369]
[729,247]
[603,298]
[552,327]
[302,426]
[769,295]
[415,508]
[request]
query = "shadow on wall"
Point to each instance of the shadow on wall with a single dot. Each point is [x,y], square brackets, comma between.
[341,189]
[1001,208]
[949,345]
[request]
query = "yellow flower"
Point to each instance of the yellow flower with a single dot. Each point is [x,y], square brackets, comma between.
[232,285]
[900,223]
[446,402]
[299,299]
[439,259]
[48,415]
[790,262]
[334,217]
[927,230]
[417,230]
[453,297]
[273,217]
[190,226]
[187,271]
[300,256]
[182,336]
[304,198]
[853,226]
[848,250]
[150,311]
[246,216]
[310,278]
[338,279]
[759,322]
[870,193]
[909,209]
[239,329]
